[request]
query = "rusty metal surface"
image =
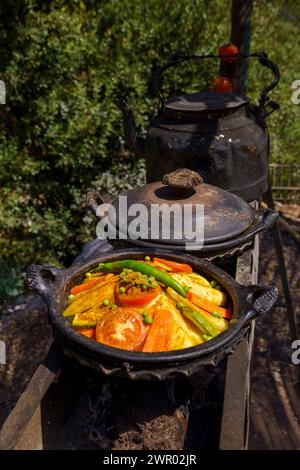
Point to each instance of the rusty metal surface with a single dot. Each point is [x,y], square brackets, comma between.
[230,151]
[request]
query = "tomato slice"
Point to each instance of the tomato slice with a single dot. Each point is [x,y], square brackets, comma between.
[136,296]
[175,267]
[122,328]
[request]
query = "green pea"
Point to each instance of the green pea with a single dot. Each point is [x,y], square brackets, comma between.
[145,287]
[88,275]
[71,297]
[106,302]
[216,315]
[218,287]
[180,305]
[147,258]
[147,318]
[122,290]
[213,283]
[154,284]
[114,306]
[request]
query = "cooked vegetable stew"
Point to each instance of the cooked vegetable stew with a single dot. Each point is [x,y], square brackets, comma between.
[153,305]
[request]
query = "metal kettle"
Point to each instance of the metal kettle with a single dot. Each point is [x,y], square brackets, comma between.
[223,136]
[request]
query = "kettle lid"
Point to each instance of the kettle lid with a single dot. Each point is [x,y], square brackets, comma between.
[206,101]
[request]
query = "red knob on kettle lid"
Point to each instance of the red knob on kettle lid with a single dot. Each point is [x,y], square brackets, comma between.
[228,49]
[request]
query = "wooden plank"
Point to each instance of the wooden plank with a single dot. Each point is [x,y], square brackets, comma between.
[29,402]
[235,418]
[32,437]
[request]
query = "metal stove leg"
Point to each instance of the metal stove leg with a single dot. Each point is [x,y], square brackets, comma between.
[276,232]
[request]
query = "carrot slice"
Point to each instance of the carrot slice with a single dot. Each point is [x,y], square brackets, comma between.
[161,265]
[209,306]
[159,337]
[176,267]
[88,332]
[88,284]
[85,286]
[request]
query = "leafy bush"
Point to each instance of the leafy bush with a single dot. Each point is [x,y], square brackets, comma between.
[11,282]
[60,133]
[275,26]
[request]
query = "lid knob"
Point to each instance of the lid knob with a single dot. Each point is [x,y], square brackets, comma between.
[182,179]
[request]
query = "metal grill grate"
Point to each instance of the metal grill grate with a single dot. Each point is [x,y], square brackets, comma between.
[285,181]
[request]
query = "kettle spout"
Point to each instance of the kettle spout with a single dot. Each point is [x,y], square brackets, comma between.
[134,142]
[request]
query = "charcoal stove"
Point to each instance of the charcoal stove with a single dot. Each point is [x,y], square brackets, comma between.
[68,406]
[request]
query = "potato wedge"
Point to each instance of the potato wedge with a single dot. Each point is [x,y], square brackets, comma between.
[90,318]
[92,298]
[191,278]
[185,335]
[201,287]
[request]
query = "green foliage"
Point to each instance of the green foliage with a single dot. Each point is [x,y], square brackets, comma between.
[11,282]
[275,28]
[60,133]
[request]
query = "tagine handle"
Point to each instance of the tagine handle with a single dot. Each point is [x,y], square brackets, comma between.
[182,179]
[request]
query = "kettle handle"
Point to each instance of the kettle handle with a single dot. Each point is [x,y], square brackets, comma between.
[262,58]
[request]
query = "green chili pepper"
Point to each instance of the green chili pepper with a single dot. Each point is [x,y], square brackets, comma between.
[199,320]
[140,266]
